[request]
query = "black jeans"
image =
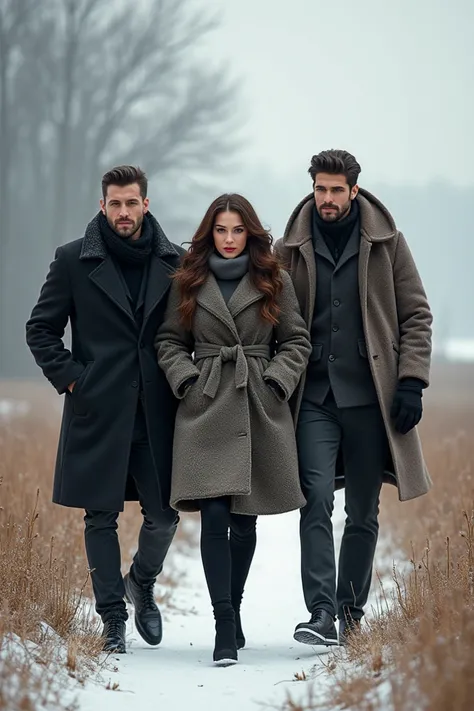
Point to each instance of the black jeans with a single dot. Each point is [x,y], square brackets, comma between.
[360,431]
[226,559]
[156,534]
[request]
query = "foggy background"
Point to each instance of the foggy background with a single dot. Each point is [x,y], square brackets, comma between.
[212,96]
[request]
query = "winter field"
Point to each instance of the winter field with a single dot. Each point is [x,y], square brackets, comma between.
[415,652]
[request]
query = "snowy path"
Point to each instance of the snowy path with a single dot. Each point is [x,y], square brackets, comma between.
[179,674]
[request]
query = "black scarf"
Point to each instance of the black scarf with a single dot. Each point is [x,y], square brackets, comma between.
[126,249]
[336,234]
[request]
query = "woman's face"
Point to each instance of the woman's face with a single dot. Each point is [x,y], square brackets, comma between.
[230,234]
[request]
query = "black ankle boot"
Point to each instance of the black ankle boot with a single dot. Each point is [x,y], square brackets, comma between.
[225,650]
[113,635]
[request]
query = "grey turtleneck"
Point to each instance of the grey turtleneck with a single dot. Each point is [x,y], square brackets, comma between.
[228,272]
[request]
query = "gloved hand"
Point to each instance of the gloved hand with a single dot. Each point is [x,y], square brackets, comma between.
[407,408]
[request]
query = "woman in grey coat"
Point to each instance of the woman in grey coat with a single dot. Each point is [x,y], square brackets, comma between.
[233,346]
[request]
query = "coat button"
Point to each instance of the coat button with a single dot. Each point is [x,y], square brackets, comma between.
[135,384]
[142,344]
[332,358]
[336,302]
[335,328]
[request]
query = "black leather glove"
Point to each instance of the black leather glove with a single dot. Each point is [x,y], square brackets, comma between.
[407,408]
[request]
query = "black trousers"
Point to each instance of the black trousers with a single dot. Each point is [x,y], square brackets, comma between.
[156,534]
[360,432]
[226,558]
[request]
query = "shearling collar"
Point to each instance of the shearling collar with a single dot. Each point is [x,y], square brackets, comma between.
[93,246]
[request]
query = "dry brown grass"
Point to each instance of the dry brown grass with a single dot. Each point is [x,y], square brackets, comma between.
[43,570]
[418,651]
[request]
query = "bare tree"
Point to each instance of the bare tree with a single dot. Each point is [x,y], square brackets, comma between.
[93,83]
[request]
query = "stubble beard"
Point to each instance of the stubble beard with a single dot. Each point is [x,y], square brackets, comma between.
[126,233]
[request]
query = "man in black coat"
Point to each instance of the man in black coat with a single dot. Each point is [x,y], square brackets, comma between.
[117,429]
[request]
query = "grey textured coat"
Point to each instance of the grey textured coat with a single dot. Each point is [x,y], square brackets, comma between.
[396,319]
[233,435]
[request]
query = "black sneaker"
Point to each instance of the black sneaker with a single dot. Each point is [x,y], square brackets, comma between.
[114,636]
[347,627]
[319,630]
[147,615]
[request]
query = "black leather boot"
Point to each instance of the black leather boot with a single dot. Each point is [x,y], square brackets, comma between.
[147,615]
[114,636]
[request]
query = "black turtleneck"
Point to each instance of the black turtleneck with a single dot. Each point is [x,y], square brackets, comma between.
[336,234]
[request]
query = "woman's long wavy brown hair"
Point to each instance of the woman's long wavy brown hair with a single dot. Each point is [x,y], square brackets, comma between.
[264,268]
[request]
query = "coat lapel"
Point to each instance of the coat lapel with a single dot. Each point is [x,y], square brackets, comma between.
[365,248]
[159,281]
[323,250]
[107,278]
[210,298]
[307,252]
[352,248]
[245,295]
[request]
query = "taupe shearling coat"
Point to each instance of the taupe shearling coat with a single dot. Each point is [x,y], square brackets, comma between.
[396,318]
[233,435]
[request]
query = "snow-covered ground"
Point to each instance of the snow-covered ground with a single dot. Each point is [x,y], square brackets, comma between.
[179,674]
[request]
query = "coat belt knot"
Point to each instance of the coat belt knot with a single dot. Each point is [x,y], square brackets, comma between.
[227,354]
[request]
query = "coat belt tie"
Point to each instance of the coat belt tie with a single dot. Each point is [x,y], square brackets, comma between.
[226,354]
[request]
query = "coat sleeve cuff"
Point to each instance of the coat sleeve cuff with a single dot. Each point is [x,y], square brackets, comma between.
[191,375]
[269,376]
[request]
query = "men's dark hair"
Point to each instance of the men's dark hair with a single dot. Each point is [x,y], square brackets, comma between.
[124,175]
[335,162]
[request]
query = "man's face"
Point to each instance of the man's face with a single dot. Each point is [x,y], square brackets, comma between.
[333,196]
[124,209]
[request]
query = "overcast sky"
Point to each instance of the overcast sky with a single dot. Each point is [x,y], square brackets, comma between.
[391,82]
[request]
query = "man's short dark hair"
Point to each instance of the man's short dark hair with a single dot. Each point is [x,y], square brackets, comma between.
[335,162]
[124,175]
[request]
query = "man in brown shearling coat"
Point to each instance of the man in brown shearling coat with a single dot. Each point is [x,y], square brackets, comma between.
[361,398]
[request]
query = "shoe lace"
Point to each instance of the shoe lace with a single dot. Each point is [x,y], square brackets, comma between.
[114,626]
[147,597]
[316,616]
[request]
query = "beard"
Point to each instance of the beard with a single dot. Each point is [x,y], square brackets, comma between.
[337,213]
[126,230]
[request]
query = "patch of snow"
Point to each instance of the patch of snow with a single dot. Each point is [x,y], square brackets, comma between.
[27,654]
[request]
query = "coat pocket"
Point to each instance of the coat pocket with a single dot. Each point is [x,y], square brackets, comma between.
[78,404]
[362,348]
[316,352]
